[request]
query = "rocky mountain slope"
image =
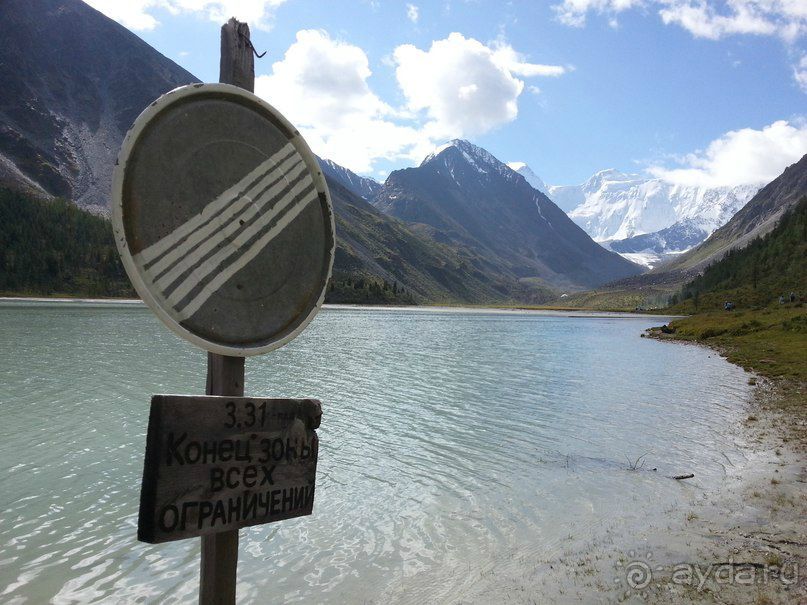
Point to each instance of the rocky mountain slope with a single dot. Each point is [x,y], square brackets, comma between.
[366,187]
[73,81]
[371,245]
[462,195]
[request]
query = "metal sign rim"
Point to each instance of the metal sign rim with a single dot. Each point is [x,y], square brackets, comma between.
[140,286]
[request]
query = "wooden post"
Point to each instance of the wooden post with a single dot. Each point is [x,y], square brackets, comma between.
[237,65]
[225,375]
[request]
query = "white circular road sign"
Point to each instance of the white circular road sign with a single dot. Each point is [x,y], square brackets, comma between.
[223,219]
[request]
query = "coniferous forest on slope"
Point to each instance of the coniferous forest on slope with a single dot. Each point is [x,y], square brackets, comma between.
[761,272]
[52,247]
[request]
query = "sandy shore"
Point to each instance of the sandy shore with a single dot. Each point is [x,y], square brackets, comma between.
[742,541]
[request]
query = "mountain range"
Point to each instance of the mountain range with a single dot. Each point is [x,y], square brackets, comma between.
[647,220]
[461,227]
[462,195]
[366,187]
[73,81]
[755,219]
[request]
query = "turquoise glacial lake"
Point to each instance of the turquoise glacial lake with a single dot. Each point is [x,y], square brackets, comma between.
[455,445]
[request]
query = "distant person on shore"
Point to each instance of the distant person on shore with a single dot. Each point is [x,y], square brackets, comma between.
[792,297]
[782,299]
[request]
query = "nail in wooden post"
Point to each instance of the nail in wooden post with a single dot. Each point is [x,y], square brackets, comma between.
[225,375]
[237,61]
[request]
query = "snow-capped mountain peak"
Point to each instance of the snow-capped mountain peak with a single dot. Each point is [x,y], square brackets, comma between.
[610,175]
[463,194]
[480,160]
[533,179]
[612,205]
[639,214]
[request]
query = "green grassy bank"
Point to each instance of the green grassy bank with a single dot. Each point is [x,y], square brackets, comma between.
[771,341]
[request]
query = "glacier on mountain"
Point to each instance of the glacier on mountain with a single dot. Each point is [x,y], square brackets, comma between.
[614,206]
[645,219]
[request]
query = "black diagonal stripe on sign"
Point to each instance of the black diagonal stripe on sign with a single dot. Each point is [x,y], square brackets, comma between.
[245,188]
[254,220]
[234,257]
[230,221]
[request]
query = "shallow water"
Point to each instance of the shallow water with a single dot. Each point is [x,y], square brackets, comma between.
[453,443]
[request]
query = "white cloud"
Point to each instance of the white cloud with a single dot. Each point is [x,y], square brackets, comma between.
[800,73]
[707,19]
[134,15]
[573,12]
[745,156]
[412,13]
[321,80]
[463,86]
[321,86]
[703,18]
[508,58]
[139,14]
[459,87]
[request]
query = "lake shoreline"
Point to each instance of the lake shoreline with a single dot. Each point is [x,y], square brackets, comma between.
[739,541]
[71,299]
[753,525]
[554,311]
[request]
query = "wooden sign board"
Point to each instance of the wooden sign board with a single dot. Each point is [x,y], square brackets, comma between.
[221,463]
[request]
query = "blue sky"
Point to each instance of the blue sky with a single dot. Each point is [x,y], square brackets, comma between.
[698,92]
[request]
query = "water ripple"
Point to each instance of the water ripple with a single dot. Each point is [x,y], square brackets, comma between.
[453,443]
